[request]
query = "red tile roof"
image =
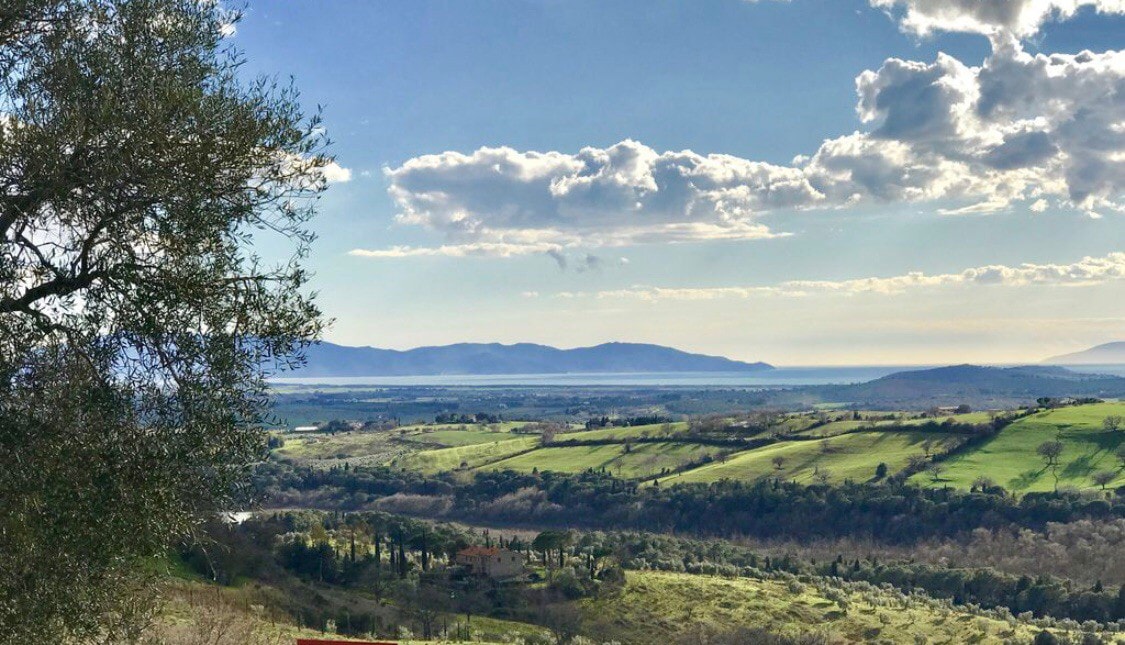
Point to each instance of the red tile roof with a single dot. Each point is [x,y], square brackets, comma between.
[479,550]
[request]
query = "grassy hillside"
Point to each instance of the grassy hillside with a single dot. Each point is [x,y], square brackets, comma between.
[368,448]
[658,607]
[451,435]
[378,447]
[641,460]
[853,456]
[1010,458]
[195,613]
[621,434]
[472,456]
[969,417]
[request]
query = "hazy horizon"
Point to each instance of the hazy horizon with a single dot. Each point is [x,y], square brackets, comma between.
[1028,361]
[855,182]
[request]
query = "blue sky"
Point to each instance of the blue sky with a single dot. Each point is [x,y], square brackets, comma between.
[956,215]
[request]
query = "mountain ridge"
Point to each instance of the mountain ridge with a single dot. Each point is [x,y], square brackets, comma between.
[332,360]
[977,385]
[1104,354]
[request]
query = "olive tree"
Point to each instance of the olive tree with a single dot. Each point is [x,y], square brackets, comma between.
[138,174]
[1050,451]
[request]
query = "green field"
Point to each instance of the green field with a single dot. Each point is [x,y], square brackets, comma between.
[658,607]
[834,428]
[377,447]
[1010,458]
[847,425]
[471,456]
[621,434]
[969,417]
[195,613]
[642,460]
[849,457]
[360,447]
[450,436]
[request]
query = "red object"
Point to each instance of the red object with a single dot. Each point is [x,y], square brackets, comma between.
[478,551]
[317,641]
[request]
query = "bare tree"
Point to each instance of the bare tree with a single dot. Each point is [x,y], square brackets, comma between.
[1103,478]
[778,462]
[1112,423]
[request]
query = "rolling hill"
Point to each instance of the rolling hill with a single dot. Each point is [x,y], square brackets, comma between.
[976,385]
[330,360]
[1107,354]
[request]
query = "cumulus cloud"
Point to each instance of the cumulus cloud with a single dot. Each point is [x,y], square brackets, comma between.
[334,173]
[1019,129]
[1087,271]
[1021,18]
[624,194]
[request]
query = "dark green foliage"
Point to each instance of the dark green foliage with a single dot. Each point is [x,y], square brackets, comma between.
[136,324]
[895,514]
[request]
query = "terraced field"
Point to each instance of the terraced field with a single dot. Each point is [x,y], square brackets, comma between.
[1010,459]
[849,457]
[641,460]
[658,607]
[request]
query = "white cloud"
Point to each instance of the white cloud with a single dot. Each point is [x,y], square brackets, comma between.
[334,173]
[1085,272]
[456,250]
[1014,132]
[625,194]
[1021,18]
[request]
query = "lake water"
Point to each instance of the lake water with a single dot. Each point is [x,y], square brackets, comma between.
[777,377]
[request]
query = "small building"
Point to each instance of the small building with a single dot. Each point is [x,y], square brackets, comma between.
[306,429]
[492,562]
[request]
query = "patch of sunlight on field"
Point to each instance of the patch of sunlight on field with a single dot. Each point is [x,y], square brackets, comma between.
[659,607]
[195,613]
[642,460]
[620,434]
[471,456]
[1010,459]
[848,457]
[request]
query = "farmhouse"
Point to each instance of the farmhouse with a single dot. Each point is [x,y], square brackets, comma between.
[491,562]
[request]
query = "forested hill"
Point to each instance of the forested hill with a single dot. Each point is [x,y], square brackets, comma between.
[976,385]
[330,360]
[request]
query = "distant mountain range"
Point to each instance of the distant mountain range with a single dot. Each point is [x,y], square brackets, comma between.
[1107,354]
[330,360]
[976,385]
